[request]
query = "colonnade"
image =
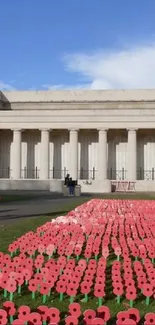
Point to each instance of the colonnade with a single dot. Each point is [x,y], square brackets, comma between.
[73,169]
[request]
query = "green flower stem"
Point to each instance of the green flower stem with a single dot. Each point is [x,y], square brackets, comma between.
[118,299]
[19,290]
[44,322]
[100,302]
[86,298]
[61,296]
[44,299]
[5,293]
[147,301]
[11,296]
[71,299]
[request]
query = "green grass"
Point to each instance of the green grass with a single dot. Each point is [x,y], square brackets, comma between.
[10,232]
[15,198]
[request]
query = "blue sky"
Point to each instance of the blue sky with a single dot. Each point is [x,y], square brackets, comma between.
[54,44]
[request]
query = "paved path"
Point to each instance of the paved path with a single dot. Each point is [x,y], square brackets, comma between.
[13,211]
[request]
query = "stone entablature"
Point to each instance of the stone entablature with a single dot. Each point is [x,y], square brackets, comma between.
[85,109]
[141,95]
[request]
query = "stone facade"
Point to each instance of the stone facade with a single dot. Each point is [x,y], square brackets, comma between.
[96,136]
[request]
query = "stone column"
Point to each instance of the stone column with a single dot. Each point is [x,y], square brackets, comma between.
[16,172]
[102,154]
[132,155]
[44,154]
[73,154]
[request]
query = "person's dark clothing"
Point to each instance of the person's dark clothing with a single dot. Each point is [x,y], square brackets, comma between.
[71,186]
[67,180]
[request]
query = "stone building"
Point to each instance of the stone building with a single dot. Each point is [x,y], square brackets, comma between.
[98,136]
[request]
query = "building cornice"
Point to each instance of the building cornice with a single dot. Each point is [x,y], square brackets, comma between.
[80,96]
[80,106]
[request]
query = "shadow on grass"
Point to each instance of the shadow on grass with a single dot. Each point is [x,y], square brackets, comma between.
[7,210]
[30,216]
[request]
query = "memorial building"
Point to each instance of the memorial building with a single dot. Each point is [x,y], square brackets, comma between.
[100,137]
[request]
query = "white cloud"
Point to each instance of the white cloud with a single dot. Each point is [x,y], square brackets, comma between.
[5,86]
[115,69]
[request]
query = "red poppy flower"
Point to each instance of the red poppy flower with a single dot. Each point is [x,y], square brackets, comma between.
[23,312]
[100,281]
[11,286]
[45,272]
[87,254]
[105,252]
[104,313]
[44,288]
[43,311]
[35,319]
[122,316]
[3,317]
[33,285]
[50,282]
[129,322]
[18,322]
[89,315]
[147,290]
[131,293]
[61,287]
[134,314]
[149,319]
[54,315]
[117,251]
[38,277]
[9,307]
[38,264]
[71,320]
[77,251]
[99,291]
[50,249]
[97,321]
[129,282]
[27,274]
[19,279]
[71,290]
[85,288]
[75,309]
[118,289]
[41,249]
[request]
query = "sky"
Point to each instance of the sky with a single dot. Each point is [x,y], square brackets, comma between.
[74,44]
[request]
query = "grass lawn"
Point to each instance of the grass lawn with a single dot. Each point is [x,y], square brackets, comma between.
[10,232]
[15,197]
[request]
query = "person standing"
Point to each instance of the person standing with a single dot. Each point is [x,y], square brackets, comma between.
[67,179]
[71,186]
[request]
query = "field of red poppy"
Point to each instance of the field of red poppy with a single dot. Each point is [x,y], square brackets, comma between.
[93,266]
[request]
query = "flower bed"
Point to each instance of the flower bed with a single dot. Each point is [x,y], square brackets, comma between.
[74,257]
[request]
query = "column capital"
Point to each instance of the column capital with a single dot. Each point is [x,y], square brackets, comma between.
[132,129]
[17,130]
[73,130]
[45,130]
[102,129]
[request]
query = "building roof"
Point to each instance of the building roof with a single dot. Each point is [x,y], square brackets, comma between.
[78,96]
